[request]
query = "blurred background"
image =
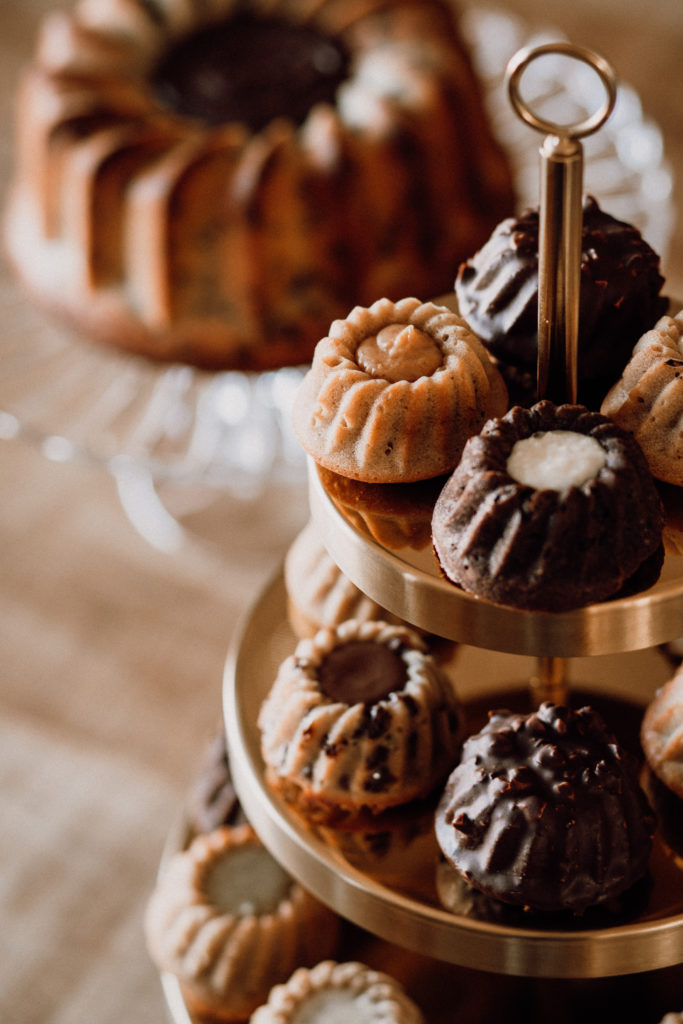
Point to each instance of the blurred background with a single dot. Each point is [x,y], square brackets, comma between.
[112,647]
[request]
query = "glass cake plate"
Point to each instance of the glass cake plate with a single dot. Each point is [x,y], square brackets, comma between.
[177,439]
[384,878]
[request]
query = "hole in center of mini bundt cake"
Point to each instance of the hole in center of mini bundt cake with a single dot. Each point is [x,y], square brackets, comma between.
[247,881]
[399,352]
[251,69]
[361,672]
[555,459]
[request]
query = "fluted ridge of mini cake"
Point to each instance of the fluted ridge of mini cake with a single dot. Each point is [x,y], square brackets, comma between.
[384,1000]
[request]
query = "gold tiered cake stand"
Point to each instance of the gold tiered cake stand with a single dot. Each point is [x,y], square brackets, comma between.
[394,894]
[390,880]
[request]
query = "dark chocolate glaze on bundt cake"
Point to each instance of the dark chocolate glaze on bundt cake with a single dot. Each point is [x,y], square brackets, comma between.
[546,549]
[497,291]
[546,811]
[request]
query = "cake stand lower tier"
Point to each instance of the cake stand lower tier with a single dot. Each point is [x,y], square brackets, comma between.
[388,879]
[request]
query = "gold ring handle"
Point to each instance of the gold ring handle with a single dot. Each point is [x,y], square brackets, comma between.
[576,129]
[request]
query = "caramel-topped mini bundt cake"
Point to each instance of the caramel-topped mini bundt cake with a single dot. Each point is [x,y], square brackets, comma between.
[229,923]
[648,399]
[214,182]
[620,285]
[550,508]
[360,719]
[662,734]
[339,993]
[394,392]
[546,811]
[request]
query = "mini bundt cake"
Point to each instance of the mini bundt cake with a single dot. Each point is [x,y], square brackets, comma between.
[214,182]
[394,392]
[550,508]
[229,923]
[213,801]
[620,285]
[339,993]
[662,734]
[648,398]
[359,719]
[319,595]
[545,811]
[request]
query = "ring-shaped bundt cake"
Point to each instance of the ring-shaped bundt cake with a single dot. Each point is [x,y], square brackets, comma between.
[648,398]
[214,182]
[360,719]
[544,545]
[546,811]
[394,391]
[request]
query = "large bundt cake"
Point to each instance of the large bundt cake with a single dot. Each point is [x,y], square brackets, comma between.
[394,391]
[215,182]
[647,400]
[620,284]
[545,811]
[550,508]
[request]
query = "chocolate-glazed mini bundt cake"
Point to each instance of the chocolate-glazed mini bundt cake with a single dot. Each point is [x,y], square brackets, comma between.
[394,392]
[550,508]
[360,719]
[648,398]
[214,182]
[620,285]
[546,811]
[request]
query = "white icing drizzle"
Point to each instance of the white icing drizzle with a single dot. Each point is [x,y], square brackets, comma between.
[555,459]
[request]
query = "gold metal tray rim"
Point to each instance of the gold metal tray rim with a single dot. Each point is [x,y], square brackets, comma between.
[604,952]
[426,600]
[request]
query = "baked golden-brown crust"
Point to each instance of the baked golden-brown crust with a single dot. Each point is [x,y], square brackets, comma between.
[365,996]
[229,948]
[338,758]
[227,246]
[648,398]
[662,734]
[404,412]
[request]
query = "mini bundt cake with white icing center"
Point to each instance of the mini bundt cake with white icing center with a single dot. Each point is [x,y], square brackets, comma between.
[339,993]
[360,719]
[229,923]
[394,392]
[214,182]
[550,508]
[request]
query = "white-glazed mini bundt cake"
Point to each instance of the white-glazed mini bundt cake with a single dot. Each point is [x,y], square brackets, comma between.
[360,719]
[214,182]
[229,923]
[394,392]
[662,734]
[648,398]
[339,993]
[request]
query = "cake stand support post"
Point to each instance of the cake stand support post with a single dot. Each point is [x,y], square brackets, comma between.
[559,263]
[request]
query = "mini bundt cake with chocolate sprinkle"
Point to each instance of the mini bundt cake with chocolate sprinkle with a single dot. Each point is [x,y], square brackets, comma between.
[360,719]
[550,508]
[394,392]
[620,285]
[212,182]
[662,733]
[545,811]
